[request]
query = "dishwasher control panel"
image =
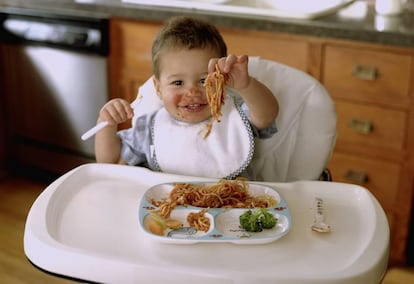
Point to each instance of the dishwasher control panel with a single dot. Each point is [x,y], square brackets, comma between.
[79,34]
[51,32]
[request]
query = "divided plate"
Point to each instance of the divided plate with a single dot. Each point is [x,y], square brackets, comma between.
[224,222]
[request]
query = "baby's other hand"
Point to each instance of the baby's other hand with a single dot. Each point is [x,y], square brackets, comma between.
[235,69]
[116,111]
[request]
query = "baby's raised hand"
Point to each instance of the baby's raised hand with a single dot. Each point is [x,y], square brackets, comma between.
[235,69]
[116,111]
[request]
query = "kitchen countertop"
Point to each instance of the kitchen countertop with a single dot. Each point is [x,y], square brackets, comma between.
[365,27]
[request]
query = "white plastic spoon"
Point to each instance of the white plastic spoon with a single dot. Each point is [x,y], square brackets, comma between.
[88,134]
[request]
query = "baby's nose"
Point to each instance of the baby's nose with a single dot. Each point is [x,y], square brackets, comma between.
[195,91]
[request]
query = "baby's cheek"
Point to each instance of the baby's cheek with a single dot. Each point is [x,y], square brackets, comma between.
[174,99]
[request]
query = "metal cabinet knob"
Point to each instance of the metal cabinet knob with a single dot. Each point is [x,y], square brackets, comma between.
[365,72]
[356,176]
[363,126]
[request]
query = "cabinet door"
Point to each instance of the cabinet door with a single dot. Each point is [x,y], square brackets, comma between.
[130,58]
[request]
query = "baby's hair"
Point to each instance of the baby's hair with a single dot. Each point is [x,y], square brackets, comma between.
[184,32]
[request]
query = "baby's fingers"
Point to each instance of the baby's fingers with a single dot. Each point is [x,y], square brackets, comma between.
[124,110]
[228,63]
[212,64]
[116,111]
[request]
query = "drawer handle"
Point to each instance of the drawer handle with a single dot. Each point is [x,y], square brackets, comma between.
[361,125]
[365,72]
[355,176]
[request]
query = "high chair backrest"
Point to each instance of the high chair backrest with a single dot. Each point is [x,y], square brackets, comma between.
[306,123]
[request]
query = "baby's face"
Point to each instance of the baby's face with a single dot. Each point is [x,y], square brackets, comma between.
[180,86]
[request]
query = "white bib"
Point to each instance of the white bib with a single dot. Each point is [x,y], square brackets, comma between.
[180,148]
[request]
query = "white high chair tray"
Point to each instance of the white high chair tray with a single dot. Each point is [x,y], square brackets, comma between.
[85,226]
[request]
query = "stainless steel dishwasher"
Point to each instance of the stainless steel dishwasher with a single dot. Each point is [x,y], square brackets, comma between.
[54,72]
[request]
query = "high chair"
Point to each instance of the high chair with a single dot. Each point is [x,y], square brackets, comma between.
[306,123]
[85,225]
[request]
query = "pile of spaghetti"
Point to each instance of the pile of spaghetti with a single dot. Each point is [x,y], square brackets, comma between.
[198,220]
[224,194]
[215,92]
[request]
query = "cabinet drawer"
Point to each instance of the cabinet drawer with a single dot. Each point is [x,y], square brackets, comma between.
[380,177]
[254,43]
[367,75]
[371,126]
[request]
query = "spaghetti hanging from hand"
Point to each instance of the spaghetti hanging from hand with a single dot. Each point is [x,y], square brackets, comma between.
[215,93]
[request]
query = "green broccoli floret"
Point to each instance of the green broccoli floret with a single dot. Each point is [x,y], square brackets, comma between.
[257,221]
[248,222]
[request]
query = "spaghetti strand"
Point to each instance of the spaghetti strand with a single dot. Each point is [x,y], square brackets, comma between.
[215,93]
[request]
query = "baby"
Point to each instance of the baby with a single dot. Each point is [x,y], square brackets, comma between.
[171,139]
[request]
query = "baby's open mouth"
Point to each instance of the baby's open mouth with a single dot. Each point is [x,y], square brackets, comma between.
[195,107]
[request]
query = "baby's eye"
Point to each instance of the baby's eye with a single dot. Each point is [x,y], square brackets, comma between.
[177,83]
[202,81]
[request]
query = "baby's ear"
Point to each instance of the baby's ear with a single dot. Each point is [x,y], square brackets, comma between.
[156,86]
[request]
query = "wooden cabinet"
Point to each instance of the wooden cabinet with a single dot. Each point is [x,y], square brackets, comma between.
[130,56]
[373,88]
[283,49]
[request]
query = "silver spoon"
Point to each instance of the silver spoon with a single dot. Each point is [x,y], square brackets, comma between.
[319,224]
